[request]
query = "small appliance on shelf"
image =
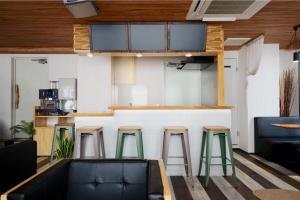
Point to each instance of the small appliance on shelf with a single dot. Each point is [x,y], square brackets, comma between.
[49,102]
[60,99]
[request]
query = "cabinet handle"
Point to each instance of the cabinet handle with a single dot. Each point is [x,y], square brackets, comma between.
[17,93]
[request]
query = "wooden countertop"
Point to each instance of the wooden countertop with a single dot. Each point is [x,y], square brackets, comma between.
[296,126]
[111,113]
[102,114]
[170,107]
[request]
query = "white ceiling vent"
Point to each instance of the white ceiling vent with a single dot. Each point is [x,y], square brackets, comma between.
[236,41]
[224,10]
[82,8]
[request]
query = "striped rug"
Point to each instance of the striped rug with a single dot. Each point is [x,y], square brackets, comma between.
[252,172]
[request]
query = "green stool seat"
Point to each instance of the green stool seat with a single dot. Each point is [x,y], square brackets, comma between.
[207,140]
[126,131]
[61,128]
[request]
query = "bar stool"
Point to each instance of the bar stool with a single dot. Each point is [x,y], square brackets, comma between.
[80,141]
[207,140]
[183,132]
[61,128]
[124,131]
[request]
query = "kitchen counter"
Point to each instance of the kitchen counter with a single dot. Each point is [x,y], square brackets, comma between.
[153,122]
[152,119]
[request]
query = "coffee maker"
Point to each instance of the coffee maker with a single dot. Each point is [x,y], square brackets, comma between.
[49,102]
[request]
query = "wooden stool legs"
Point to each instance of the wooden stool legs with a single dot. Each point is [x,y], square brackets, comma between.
[186,154]
[98,143]
[185,148]
[165,151]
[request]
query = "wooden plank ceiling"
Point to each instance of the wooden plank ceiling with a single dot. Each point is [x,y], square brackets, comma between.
[46,26]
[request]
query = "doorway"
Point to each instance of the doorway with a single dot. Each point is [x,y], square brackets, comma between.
[230,97]
[28,76]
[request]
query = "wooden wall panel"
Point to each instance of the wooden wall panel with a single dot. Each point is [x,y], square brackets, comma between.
[48,24]
[215,38]
[81,40]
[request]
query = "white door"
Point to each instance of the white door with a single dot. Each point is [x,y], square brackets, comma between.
[230,86]
[30,75]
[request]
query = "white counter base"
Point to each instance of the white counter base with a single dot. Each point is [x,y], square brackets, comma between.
[153,123]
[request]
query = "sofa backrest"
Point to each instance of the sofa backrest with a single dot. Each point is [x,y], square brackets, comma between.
[17,162]
[108,179]
[263,127]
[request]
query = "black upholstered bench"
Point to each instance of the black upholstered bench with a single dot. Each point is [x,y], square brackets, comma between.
[95,179]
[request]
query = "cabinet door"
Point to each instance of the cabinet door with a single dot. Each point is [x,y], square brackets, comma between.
[109,37]
[147,37]
[187,37]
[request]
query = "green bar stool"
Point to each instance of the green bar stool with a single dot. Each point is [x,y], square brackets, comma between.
[207,140]
[124,131]
[61,129]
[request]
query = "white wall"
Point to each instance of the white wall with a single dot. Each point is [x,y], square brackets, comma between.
[5,97]
[209,86]
[286,61]
[242,111]
[152,123]
[161,85]
[61,66]
[148,78]
[94,84]
[150,73]
[259,94]
[183,87]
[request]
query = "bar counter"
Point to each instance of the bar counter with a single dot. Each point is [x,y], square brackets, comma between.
[152,119]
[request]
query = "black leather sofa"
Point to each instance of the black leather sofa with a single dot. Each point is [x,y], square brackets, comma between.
[17,163]
[280,145]
[95,180]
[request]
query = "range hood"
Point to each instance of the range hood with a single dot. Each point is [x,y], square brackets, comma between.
[193,63]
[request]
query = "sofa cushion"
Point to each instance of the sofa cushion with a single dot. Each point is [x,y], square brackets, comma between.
[108,179]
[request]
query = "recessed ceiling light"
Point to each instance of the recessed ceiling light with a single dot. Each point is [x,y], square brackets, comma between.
[139,55]
[90,54]
[188,55]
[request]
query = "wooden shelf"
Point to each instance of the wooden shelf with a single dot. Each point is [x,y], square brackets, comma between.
[65,116]
[102,114]
[170,107]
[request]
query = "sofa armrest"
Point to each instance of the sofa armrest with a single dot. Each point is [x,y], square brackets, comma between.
[18,162]
[49,183]
[158,184]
